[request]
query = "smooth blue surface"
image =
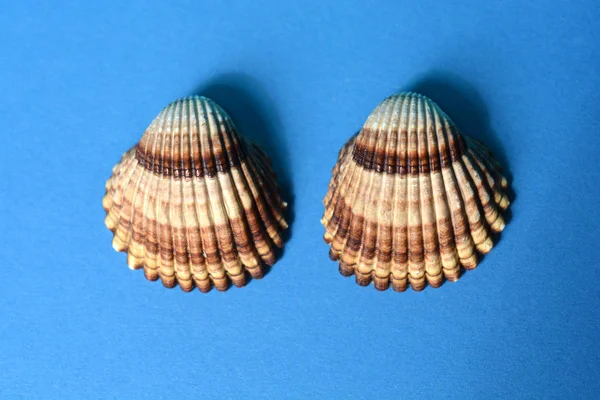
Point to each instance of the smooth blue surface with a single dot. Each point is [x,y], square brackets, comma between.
[81,80]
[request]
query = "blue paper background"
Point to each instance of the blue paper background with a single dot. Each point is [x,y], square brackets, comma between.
[81,80]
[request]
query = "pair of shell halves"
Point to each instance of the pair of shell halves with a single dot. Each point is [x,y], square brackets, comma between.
[411,200]
[193,203]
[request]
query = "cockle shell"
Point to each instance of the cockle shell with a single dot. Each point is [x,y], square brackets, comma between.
[193,203]
[411,200]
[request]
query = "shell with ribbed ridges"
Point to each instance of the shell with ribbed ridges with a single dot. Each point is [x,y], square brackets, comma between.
[193,203]
[411,200]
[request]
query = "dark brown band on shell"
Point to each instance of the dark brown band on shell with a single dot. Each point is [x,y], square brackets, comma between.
[413,163]
[218,162]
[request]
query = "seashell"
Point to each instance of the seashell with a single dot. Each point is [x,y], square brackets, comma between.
[193,203]
[411,200]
